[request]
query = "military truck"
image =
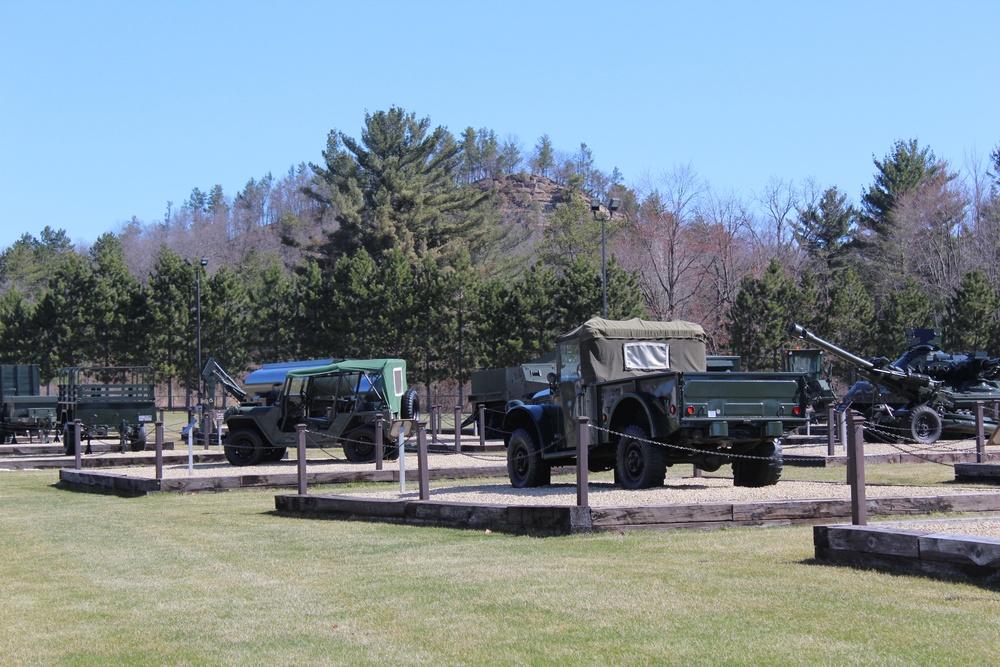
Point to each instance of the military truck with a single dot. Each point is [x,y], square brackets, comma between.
[338,402]
[498,389]
[108,400]
[924,394]
[24,412]
[652,404]
[809,362]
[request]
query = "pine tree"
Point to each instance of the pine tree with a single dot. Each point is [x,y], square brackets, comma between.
[972,315]
[759,318]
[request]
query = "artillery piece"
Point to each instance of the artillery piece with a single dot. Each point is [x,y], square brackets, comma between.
[922,395]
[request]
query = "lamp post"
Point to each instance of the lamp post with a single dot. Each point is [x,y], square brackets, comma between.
[595,206]
[198,268]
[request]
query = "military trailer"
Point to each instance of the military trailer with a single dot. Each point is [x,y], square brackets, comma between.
[108,400]
[24,411]
[652,404]
[924,394]
[339,403]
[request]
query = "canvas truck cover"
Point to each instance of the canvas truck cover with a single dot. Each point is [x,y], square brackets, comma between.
[393,373]
[613,349]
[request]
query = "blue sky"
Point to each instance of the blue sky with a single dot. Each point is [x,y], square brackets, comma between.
[109,110]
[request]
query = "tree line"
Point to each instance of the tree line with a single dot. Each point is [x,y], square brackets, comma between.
[467,252]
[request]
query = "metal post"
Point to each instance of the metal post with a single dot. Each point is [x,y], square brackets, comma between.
[159,450]
[583,462]
[379,442]
[458,429]
[604,272]
[696,472]
[190,448]
[433,423]
[842,427]
[77,428]
[301,428]
[856,468]
[831,423]
[400,439]
[482,425]
[440,418]
[423,474]
[980,434]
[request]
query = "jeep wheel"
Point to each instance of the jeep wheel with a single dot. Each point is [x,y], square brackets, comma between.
[525,466]
[410,405]
[765,471]
[275,453]
[640,464]
[924,426]
[359,445]
[243,447]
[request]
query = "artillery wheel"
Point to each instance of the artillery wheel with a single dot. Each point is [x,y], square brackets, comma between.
[244,448]
[137,442]
[759,472]
[640,464]
[410,405]
[924,425]
[525,466]
[359,445]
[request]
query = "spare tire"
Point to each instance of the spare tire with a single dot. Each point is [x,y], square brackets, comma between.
[410,405]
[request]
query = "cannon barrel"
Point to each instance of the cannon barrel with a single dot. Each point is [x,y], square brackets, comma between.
[916,386]
[799,331]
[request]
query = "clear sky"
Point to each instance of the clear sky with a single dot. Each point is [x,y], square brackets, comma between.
[110,109]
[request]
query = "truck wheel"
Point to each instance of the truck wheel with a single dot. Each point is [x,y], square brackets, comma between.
[137,441]
[525,466]
[359,445]
[640,464]
[759,472]
[409,407]
[275,454]
[925,425]
[244,448]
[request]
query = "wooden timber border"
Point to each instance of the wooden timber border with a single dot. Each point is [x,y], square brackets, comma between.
[126,460]
[977,472]
[926,552]
[563,520]
[133,485]
[816,461]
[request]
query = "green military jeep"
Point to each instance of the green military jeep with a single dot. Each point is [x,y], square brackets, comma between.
[339,403]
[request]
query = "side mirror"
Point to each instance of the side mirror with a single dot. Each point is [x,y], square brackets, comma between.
[553,380]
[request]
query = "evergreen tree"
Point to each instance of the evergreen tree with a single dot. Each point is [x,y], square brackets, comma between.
[543,159]
[15,330]
[226,327]
[823,230]
[851,324]
[273,304]
[170,327]
[62,320]
[908,307]
[972,316]
[759,318]
[116,307]
[396,188]
[904,169]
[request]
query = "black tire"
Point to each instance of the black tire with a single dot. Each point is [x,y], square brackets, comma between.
[359,445]
[137,442]
[640,464]
[762,471]
[244,448]
[410,405]
[525,465]
[924,425]
[275,454]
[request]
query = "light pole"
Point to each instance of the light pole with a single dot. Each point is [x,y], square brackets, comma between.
[595,206]
[198,268]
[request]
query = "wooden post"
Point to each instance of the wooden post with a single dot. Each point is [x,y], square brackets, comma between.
[583,463]
[458,429]
[77,428]
[696,472]
[831,429]
[159,450]
[422,472]
[482,426]
[301,428]
[379,441]
[980,434]
[856,467]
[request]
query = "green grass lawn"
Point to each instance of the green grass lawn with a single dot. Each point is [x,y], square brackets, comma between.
[220,579]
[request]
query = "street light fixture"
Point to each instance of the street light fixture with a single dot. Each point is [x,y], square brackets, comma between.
[595,207]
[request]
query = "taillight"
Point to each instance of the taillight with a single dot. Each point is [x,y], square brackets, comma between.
[673,409]
[690,410]
[796,411]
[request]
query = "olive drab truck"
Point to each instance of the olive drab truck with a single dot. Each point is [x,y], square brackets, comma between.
[652,404]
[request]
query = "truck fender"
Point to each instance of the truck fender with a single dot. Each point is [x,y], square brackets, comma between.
[636,408]
[242,422]
[538,420]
